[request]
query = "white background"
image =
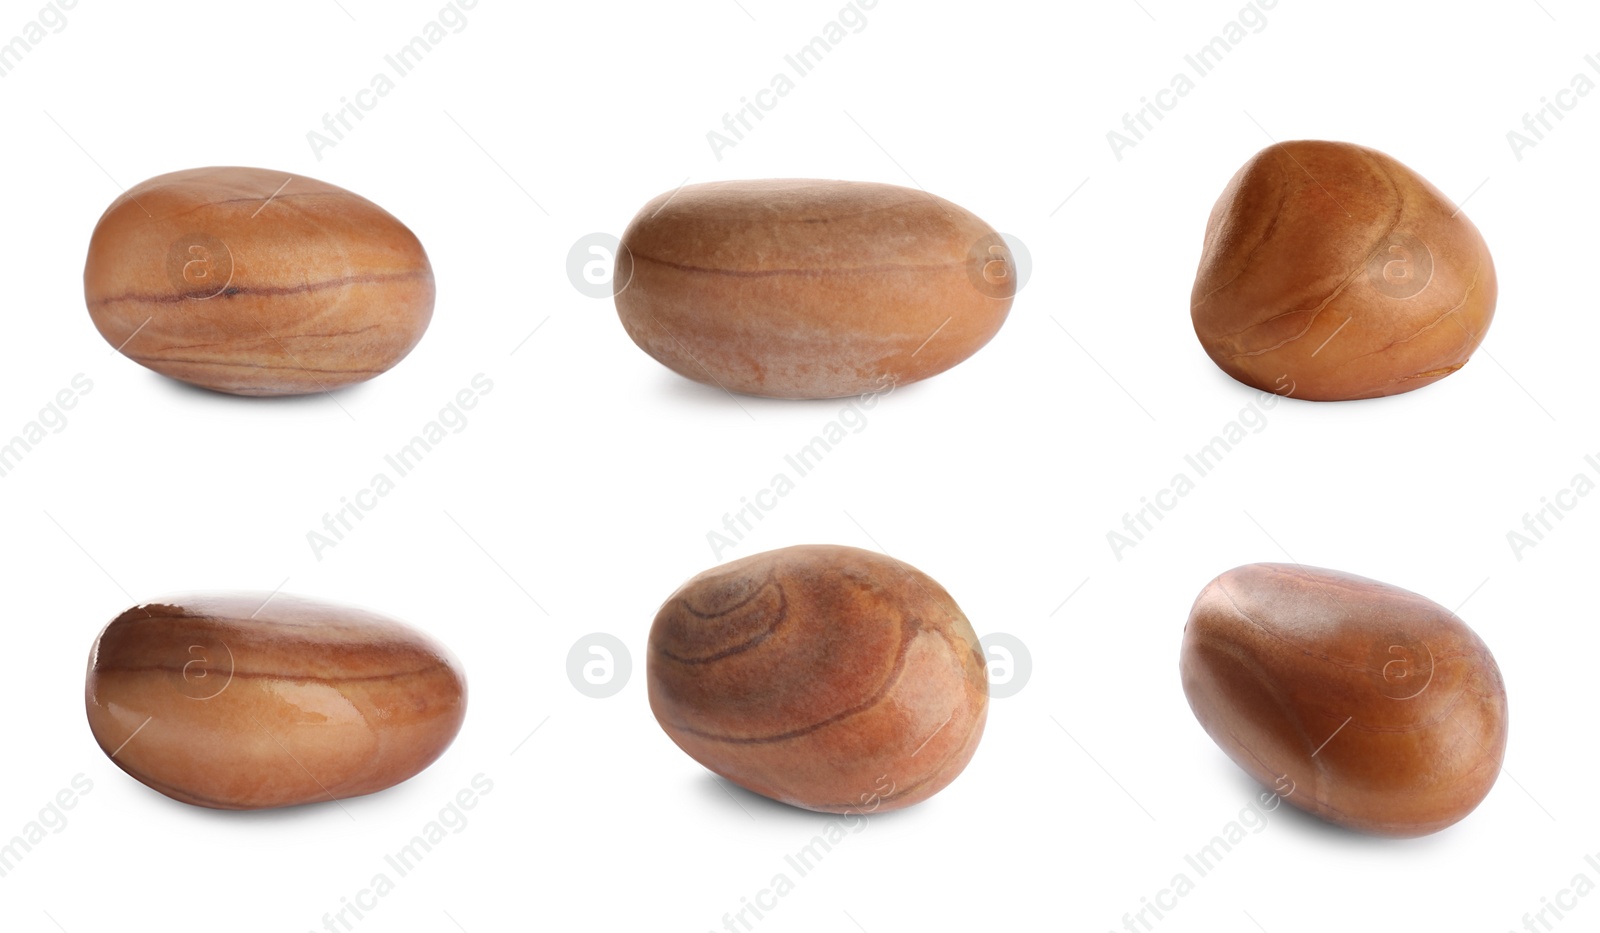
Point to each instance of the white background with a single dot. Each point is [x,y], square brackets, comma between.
[581,492]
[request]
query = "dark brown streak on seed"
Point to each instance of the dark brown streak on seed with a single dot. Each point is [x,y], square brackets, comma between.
[876,269]
[910,628]
[236,365]
[273,291]
[277,675]
[225,343]
[782,615]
